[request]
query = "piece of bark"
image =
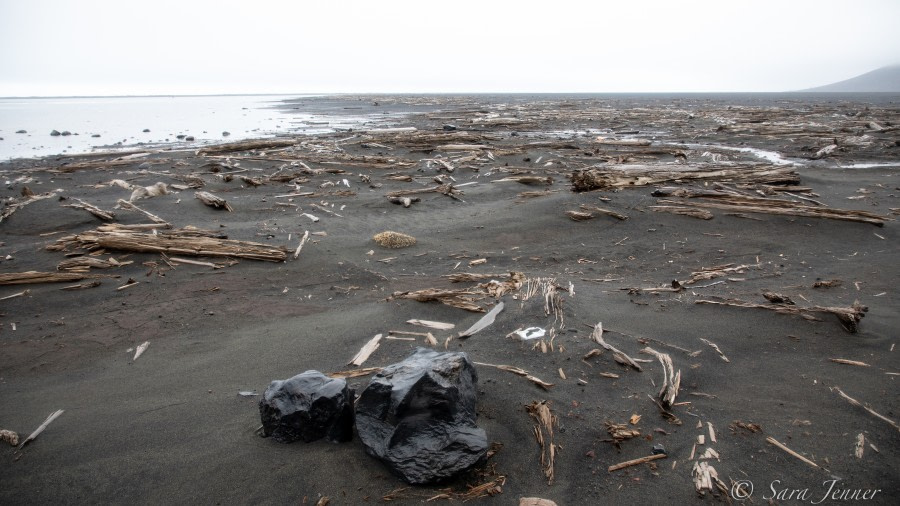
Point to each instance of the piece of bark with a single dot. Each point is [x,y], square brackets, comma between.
[432,324]
[544,433]
[601,210]
[213,200]
[684,211]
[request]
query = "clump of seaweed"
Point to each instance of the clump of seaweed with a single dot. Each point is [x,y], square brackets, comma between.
[395,240]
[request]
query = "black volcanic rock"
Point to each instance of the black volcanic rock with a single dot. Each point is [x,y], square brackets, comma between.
[418,416]
[308,407]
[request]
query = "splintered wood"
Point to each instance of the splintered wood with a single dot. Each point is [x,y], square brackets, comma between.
[621,431]
[519,372]
[466,298]
[365,351]
[184,241]
[37,432]
[13,205]
[483,323]
[848,316]
[96,211]
[543,432]
[746,204]
[869,410]
[213,200]
[671,379]
[31,277]
[626,176]
[618,356]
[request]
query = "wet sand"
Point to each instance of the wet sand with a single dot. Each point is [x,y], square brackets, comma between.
[171,427]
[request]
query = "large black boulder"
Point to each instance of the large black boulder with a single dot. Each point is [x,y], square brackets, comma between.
[308,407]
[418,416]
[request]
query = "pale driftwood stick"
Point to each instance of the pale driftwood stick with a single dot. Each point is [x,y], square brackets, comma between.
[432,324]
[195,262]
[355,373]
[772,441]
[618,356]
[19,204]
[601,210]
[671,379]
[520,372]
[96,211]
[82,286]
[860,445]
[302,242]
[37,432]
[140,350]
[848,316]
[13,296]
[124,204]
[529,180]
[871,411]
[849,362]
[213,200]
[483,323]
[716,347]
[446,189]
[635,462]
[246,146]
[365,351]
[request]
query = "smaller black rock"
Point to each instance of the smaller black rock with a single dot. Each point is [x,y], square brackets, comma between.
[308,407]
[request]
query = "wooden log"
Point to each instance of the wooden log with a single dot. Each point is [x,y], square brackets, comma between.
[246,146]
[34,277]
[623,176]
[635,462]
[213,200]
[789,209]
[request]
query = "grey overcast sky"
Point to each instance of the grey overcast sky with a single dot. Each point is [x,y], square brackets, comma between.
[100,47]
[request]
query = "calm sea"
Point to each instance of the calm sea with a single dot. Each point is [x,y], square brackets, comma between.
[102,123]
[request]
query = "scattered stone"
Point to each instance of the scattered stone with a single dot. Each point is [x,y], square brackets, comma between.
[21,132]
[449,128]
[395,240]
[418,416]
[144,166]
[146,130]
[226,133]
[308,407]
[95,135]
[66,133]
[180,136]
[55,133]
[189,138]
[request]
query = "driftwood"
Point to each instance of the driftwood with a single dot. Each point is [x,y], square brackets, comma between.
[782,207]
[543,432]
[529,180]
[684,211]
[621,432]
[790,452]
[618,356]
[404,201]
[16,204]
[124,204]
[608,212]
[462,299]
[718,271]
[432,324]
[355,373]
[88,262]
[213,200]
[365,351]
[246,146]
[446,189]
[869,410]
[848,316]
[187,241]
[96,211]
[579,216]
[519,372]
[37,432]
[621,142]
[34,277]
[635,462]
[671,380]
[485,321]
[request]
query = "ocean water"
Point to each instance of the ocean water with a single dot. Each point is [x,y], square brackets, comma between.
[120,122]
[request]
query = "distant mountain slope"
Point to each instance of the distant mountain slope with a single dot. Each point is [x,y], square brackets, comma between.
[885,79]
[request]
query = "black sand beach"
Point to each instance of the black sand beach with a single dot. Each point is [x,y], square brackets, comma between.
[171,427]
